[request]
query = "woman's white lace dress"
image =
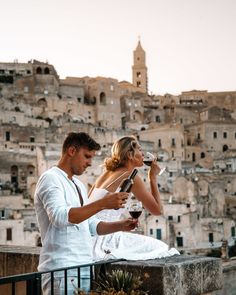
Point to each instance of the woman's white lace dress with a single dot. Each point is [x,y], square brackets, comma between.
[126,245]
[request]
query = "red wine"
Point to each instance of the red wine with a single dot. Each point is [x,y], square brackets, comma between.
[147,162]
[135,214]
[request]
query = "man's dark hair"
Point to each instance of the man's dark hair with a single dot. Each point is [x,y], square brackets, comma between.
[80,139]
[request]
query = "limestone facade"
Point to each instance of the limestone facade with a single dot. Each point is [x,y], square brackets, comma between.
[193,134]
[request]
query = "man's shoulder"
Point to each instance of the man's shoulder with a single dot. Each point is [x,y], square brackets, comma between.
[51,171]
[50,175]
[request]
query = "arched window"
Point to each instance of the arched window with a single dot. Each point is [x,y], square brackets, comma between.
[203,155]
[225,148]
[31,170]
[102,98]
[42,102]
[46,71]
[39,70]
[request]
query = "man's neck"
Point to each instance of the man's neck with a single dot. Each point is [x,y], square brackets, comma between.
[65,169]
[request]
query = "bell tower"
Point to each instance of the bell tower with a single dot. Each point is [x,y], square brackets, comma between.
[139,69]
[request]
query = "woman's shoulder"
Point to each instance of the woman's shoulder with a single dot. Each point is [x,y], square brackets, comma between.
[102,178]
[110,178]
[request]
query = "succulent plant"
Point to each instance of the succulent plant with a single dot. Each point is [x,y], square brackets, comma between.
[118,282]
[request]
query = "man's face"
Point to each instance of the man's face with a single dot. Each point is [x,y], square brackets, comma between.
[81,159]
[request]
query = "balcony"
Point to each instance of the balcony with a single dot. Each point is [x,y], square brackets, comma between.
[176,275]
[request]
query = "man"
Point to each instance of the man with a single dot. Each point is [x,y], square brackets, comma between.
[66,219]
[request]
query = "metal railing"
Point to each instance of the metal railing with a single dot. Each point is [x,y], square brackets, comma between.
[33,281]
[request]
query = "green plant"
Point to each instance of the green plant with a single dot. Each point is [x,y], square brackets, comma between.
[118,282]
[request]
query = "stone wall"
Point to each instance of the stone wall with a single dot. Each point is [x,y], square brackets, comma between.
[177,275]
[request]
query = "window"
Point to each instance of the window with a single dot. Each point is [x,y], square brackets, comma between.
[8,136]
[39,70]
[173,142]
[233,231]
[9,234]
[158,233]
[102,98]
[32,225]
[138,75]
[214,134]
[170,217]
[46,71]
[2,214]
[179,241]
[179,218]
[224,134]
[151,231]
[31,138]
[211,237]
[225,148]
[198,136]
[159,142]
[158,119]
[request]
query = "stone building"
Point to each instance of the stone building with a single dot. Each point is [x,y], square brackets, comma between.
[193,135]
[139,68]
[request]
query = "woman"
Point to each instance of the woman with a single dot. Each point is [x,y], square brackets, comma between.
[126,154]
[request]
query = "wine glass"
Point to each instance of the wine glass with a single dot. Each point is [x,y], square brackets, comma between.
[134,207]
[148,161]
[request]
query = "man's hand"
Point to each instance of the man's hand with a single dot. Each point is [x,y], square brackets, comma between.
[105,228]
[114,200]
[128,224]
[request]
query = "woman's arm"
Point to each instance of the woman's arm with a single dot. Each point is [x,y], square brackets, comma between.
[151,199]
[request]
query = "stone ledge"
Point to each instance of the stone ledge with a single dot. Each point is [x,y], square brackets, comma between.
[177,275]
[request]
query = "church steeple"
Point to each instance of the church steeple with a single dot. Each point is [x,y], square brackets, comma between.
[139,68]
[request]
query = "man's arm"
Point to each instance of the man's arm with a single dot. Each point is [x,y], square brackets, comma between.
[109,201]
[104,228]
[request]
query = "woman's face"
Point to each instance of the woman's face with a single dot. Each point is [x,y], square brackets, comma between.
[138,156]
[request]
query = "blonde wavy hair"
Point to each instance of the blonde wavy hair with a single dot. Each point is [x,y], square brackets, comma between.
[121,150]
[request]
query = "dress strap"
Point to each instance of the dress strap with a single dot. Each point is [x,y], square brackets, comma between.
[119,177]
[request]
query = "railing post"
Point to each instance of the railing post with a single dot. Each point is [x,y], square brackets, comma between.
[33,286]
[38,284]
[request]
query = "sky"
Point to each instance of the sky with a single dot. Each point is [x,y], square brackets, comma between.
[189,44]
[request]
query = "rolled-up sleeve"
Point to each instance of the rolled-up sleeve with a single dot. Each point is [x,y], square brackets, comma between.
[52,196]
[93,223]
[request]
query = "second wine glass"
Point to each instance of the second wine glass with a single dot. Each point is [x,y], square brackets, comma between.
[135,207]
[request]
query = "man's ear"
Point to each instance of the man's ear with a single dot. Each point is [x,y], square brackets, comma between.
[71,150]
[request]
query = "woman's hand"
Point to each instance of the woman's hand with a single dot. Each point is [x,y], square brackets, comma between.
[154,170]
